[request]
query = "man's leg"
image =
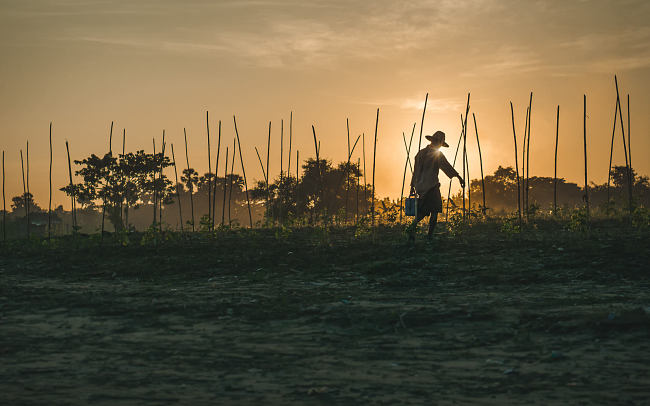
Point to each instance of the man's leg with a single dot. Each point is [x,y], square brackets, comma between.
[414,225]
[433,220]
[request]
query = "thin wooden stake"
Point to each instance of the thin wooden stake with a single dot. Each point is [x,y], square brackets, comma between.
[250,215]
[523,163]
[406,164]
[207,125]
[268,175]
[462,134]
[122,199]
[281,148]
[216,170]
[356,218]
[49,206]
[374,159]
[480,157]
[320,176]
[464,157]
[4,201]
[290,137]
[161,200]
[530,118]
[630,176]
[406,148]
[72,195]
[261,164]
[232,174]
[557,136]
[189,179]
[584,127]
[347,172]
[178,194]
[365,181]
[627,166]
[155,192]
[514,133]
[25,196]
[110,152]
[225,176]
[424,110]
[611,154]
[468,183]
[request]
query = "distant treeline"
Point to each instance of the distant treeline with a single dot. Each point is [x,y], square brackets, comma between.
[501,192]
[128,191]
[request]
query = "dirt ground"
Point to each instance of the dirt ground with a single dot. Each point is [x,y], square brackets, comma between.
[487,318]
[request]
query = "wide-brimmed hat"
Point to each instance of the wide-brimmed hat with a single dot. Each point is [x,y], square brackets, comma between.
[438,137]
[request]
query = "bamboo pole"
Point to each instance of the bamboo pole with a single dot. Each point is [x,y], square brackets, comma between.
[110,152]
[480,157]
[523,163]
[225,176]
[31,198]
[356,218]
[162,183]
[268,175]
[408,161]
[261,165]
[406,148]
[4,201]
[189,179]
[232,170]
[627,166]
[584,127]
[290,138]
[424,110]
[514,133]
[347,171]
[178,194]
[530,119]
[216,170]
[365,181]
[629,153]
[250,215]
[374,159]
[557,135]
[320,176]
[464,158]
[281,169]
[462,132]
[611,154]
[469,181]
[122,199]
[49,206]
[155,192]
[207,125]
[25,196]
[72,195]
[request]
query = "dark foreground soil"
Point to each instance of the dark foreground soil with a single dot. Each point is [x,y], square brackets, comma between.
[273,317]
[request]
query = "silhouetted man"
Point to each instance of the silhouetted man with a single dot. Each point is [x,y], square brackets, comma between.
[428,162]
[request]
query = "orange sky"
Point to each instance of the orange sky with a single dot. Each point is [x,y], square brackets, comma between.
[154,65]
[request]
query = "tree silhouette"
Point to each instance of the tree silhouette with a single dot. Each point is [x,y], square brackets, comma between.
[125,181]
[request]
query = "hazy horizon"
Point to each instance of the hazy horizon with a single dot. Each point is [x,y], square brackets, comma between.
[154,65]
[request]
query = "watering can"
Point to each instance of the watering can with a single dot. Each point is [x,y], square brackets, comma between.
[411,205]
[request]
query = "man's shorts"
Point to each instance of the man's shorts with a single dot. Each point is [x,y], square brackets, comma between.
[431,202]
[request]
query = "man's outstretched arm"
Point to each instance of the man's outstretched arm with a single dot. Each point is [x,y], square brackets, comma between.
[449,170]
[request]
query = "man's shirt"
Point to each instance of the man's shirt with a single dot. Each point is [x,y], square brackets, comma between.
[428,162]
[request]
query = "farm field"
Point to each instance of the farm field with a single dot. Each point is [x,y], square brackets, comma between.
[340,316]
